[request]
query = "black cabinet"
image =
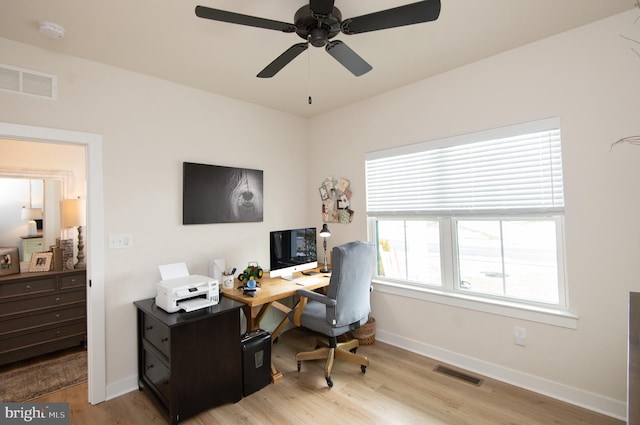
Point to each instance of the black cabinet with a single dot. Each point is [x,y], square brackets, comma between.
[190,362]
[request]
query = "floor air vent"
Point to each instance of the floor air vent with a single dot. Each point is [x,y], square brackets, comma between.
[26,81]
[458,375]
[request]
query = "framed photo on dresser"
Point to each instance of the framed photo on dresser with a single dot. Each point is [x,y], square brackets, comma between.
[9,261]
[40,262]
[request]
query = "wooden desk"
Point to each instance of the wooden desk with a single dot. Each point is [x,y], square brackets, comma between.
[270,293]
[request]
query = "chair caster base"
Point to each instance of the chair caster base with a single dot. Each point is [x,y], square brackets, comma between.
[329,382]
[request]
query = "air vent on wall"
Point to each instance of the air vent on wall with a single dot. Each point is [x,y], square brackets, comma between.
[26,81]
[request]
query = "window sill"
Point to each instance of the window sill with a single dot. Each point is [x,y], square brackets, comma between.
[549,316]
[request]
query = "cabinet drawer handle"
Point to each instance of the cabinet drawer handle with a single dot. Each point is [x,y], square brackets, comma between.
[164,339]
[73,281]
[150,366]
[57,316]
[28,288]
[148,328]
[57,299]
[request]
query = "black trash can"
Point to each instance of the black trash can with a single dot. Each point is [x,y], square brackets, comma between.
[256,361]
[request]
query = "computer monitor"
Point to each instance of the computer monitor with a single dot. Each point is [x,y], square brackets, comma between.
[292,250]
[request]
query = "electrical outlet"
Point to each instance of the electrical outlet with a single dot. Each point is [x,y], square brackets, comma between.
[120,241]
[520,336]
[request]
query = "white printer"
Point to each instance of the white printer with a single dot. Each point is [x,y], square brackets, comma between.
[187,293]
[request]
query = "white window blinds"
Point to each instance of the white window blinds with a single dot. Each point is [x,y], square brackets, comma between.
[515,168]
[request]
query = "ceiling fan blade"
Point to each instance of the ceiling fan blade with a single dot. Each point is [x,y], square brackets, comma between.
[321,7]
[348,58]
[237,18]
[281,61]
[414,13]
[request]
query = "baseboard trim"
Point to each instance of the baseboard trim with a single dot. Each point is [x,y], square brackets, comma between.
[122,387]
[585,399]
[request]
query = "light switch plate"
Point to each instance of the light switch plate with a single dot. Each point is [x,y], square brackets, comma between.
[120,241]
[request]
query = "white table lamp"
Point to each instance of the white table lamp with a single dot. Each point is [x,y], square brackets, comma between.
[31,214]
[72,212]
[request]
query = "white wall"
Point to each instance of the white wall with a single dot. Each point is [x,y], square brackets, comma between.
[588,77]
[149,127]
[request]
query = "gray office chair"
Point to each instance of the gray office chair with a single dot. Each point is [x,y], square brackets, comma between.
[345,307]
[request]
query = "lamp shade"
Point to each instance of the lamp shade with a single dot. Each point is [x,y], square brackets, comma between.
[31,213]
[72,212]
[324,232]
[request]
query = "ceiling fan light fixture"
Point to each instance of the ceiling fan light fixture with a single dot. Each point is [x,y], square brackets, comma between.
[318,37]
[51,30]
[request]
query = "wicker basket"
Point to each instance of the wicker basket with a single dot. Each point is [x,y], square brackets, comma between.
[366,334]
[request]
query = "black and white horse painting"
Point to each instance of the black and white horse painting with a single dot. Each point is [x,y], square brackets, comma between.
[217,194]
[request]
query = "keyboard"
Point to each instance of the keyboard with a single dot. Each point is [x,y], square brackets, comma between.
[304,281]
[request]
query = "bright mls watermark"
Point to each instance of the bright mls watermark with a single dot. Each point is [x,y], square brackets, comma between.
[34,413]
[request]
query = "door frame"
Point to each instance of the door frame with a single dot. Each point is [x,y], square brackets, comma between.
[96,335]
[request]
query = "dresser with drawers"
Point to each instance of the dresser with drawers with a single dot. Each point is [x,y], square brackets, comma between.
[189,362]
[41,313]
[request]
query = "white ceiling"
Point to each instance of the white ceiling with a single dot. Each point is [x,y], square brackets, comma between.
[165,39]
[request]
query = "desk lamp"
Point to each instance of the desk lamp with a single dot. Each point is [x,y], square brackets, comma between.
[73,214]
[325,233]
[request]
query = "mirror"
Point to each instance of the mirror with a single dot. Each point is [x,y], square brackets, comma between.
[61,169]
[31,189]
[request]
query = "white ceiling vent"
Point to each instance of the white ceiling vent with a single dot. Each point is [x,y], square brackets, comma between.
[26,81]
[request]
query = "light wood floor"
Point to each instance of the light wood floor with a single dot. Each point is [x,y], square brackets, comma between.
[398,388]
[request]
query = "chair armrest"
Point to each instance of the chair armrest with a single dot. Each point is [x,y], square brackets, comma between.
[305,295]
[317,297]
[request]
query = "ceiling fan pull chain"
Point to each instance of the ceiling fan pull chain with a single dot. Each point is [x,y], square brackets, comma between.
[309,75]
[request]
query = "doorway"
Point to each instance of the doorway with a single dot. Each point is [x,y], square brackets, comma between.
[96,338]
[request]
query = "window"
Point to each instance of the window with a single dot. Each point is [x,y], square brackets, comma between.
[478,215]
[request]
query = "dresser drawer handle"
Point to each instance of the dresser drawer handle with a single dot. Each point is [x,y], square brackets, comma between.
[164,339]
[73,281]
[57,316]
[28,288]
[57,299]
[150,366]
[148,328]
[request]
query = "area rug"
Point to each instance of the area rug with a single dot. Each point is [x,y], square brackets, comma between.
[35,380]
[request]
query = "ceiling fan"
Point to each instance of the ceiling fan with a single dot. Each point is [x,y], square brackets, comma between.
[320,21]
